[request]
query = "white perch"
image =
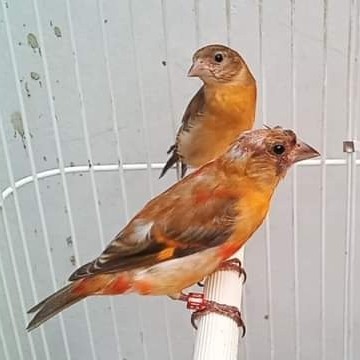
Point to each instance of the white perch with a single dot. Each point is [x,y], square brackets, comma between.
[217,336]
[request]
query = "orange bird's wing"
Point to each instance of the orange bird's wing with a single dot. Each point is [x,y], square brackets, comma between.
[192,114]
[175,224]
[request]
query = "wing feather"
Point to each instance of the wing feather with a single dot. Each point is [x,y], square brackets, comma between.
[162,232]
[192,114]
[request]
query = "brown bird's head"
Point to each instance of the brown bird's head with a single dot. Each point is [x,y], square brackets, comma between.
[267,154]
[219,64]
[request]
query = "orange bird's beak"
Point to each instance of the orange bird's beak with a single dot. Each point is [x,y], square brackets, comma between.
[197,68]
[303,151]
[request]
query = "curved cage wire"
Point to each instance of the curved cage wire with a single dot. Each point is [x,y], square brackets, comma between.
[91,95]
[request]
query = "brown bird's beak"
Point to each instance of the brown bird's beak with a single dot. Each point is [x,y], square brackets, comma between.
[197,68]
[303,151]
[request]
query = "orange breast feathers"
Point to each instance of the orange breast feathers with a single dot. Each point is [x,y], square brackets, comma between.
[232,103]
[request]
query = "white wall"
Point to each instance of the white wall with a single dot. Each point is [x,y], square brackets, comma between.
[105,81]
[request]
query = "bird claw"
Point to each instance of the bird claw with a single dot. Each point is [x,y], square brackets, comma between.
[233,265]
[222,309]
[202,306]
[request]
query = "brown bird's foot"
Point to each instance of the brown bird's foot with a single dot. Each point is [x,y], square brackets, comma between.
[226,310]
[202,306]
[233,265]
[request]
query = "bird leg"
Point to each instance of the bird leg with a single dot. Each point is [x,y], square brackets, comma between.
[233,265]
[202,306]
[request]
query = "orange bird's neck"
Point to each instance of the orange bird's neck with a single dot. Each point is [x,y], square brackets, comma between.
[256,175]
[233,101]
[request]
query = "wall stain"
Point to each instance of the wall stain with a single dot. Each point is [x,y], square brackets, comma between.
[69,241]
[33,42]
[57,32]
[26,86]
[17,123]
[72,260]
[35,76]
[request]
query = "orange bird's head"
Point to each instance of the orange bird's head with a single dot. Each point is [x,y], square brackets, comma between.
[219,64]
[266,154]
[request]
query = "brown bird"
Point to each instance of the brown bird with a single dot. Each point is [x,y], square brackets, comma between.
[219,112]
[188,231]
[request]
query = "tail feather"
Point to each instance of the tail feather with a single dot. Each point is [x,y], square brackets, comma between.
[104,284]
[53,304]
[174,159]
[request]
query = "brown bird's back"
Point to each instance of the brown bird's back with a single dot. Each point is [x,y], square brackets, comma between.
[222,109]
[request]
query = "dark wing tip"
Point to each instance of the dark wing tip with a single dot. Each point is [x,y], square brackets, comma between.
[174,158]
[73,276]
[171,149]
[81,272]
[183,169]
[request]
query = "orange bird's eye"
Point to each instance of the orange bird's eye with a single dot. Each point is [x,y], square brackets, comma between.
[218,57]
[278,149]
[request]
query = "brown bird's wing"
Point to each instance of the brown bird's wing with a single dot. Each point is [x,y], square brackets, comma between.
[165,229]
[193,112]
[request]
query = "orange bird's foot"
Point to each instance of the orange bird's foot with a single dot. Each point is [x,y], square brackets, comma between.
[202,306]
[233,265]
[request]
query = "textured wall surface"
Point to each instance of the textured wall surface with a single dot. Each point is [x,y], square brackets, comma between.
[103,82]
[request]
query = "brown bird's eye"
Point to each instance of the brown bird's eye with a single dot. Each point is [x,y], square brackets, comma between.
[278,149]
[219,57]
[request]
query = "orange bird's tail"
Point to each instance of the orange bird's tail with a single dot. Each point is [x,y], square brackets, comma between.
[106,284]
[53,304]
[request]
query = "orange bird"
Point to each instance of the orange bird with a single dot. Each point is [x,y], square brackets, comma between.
[219,112]
[188,231]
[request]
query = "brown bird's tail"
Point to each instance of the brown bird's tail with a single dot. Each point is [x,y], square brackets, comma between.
[53,304]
